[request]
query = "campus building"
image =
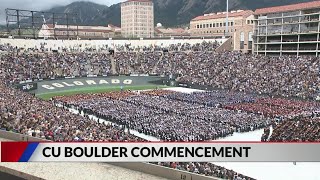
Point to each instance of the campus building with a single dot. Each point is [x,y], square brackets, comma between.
[291,29]
[137,18]
[240,27]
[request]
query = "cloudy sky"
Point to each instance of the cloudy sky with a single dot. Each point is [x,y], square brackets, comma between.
[39,5]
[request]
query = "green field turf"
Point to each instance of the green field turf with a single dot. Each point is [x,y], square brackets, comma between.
[47,96]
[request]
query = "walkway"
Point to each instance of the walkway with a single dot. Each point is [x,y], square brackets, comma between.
[113,65]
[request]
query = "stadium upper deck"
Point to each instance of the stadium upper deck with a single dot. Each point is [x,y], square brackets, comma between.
[81,45]
[291,29]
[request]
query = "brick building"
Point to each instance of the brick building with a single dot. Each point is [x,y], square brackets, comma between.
[240,27]
[137,18]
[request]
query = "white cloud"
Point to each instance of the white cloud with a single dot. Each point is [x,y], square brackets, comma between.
[39,5]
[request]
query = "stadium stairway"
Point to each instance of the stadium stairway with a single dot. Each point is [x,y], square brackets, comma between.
[156,65]
[113,65]
[226,46]
[136,61]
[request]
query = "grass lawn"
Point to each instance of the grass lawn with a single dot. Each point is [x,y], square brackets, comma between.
[47,96]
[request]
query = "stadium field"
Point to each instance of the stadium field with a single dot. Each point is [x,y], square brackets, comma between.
[94,89]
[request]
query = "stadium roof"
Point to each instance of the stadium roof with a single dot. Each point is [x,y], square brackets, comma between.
[286,8]
[223,15]
[84,29]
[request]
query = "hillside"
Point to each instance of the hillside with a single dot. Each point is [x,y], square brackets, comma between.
[168,12]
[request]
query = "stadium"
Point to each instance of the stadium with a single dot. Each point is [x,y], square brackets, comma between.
[173,89]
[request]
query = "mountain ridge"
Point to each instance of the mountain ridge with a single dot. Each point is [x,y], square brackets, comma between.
[169,13]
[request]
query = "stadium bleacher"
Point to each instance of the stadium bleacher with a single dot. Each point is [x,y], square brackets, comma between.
[252,92]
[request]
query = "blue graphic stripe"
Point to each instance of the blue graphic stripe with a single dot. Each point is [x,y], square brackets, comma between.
[28,152]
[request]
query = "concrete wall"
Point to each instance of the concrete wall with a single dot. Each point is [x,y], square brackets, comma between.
[56,44]
[17,174]
[18,137]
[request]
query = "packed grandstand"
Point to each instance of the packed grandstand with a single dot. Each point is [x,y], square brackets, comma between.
[247,92]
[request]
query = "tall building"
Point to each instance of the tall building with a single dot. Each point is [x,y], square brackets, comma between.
[137,18]
[291,29]
[214,24]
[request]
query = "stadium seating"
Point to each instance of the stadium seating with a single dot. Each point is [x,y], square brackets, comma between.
[248,92]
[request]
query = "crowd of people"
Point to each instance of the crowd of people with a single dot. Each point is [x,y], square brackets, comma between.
[286,76]
[278,107]
[193,123]
[22,67]
[306,129]
[190,122]
[27,65]
[136,63]
[153,114]
[245,101]
[204,46]
[23,113]
[215,98]
[207,169]
[281,76]
[7,48]
[157,92]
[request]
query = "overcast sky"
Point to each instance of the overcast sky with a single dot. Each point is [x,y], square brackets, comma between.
[39,5]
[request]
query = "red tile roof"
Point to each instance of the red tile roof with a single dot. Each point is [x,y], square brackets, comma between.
[287,8]
[157,31]
[217,16]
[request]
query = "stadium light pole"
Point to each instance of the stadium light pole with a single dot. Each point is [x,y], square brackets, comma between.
[227,20]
